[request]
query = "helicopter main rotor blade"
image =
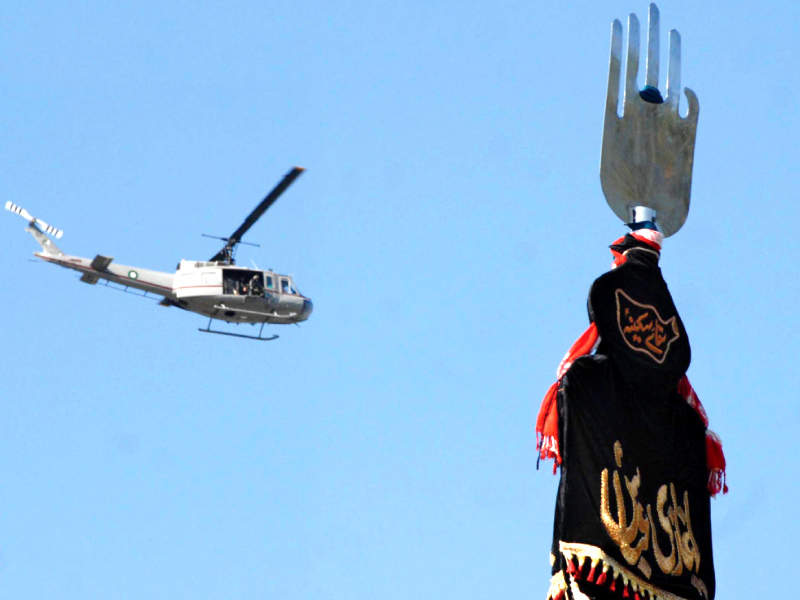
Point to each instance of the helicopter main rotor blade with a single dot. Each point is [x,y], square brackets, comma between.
[270,199]
[258,211]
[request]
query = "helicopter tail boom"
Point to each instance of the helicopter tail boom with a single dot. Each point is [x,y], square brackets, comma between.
[48,247]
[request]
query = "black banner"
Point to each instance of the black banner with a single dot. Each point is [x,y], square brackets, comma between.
[633,514]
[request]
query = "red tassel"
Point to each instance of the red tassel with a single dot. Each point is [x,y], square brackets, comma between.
[613,586]
[547,427]
[590,578]
[570,567]
[626,593]
[602,579]
[577,575]
[715,462]
[636,596]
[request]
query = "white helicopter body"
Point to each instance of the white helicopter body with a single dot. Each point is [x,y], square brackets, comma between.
[217,289]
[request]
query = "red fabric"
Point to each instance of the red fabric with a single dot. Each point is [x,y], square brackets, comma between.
[547,420]
[715,458]
[648,236]
[687,393]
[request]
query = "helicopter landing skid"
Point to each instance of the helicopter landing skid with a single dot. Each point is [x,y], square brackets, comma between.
[240,335]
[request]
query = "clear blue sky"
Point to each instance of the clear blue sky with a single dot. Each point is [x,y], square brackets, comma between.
[447,229]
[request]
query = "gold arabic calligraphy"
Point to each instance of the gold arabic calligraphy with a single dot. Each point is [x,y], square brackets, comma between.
[643,329]
[635,534]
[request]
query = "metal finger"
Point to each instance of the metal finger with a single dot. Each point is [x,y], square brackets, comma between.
[694,106]
[674,73]
[632,63]
[651,75]
[614,68]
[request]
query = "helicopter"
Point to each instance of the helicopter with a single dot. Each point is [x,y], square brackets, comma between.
[216,288]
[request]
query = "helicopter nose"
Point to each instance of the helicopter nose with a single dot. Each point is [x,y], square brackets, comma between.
[308,308]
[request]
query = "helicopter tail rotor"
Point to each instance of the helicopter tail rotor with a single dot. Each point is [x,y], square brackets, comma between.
[48,229]
[39,230]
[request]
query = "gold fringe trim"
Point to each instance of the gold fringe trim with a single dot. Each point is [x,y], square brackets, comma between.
[557,586]
[572,550]
[576,592]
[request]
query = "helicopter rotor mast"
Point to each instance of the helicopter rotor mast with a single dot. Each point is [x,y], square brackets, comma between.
[226,254]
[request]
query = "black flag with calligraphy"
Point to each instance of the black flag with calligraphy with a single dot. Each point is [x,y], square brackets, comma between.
[633,509]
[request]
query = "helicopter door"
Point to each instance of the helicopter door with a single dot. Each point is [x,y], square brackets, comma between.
[198,282]
[244,282]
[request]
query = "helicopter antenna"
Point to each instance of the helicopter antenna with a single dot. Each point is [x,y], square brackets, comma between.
[216,237]
[226,255]
[232,250]
[48,229]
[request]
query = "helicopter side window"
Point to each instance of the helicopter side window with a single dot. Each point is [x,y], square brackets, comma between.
[270,283]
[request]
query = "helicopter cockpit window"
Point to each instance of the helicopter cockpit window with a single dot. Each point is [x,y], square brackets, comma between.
[287,287]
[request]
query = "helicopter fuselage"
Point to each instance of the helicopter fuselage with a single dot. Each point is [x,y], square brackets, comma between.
[219,291]
[238,294]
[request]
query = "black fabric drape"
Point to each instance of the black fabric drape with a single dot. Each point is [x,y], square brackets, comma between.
[633,497]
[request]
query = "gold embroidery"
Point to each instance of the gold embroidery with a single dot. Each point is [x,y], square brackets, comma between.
[665,562]
[690,553]
[645,567]
[700,586]
[621,531]
[618,454]
[633,537]
[643,329]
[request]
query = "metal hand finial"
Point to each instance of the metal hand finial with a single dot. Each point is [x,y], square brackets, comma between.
[648,152]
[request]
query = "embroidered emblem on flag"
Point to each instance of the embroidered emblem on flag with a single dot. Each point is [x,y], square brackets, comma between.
[643,329]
